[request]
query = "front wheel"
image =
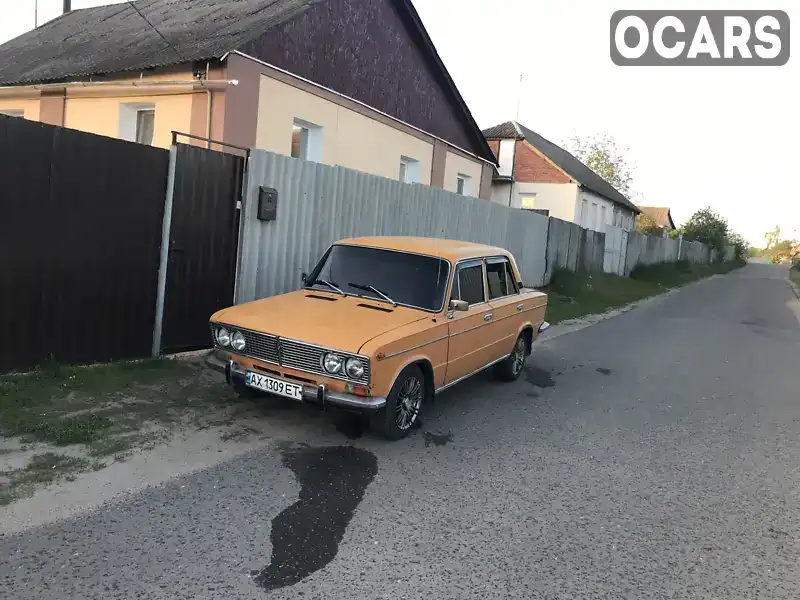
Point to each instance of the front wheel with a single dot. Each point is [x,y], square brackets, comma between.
[511,368]
[396,420]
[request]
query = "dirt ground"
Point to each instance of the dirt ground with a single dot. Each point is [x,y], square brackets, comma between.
[59,424]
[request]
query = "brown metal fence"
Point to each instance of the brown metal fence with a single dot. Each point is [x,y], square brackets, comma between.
[80,237]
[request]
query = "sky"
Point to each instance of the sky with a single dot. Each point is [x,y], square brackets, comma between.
[724,137]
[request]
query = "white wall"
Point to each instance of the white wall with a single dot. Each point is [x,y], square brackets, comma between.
[502,193]
[595,212]
[558,198]
[348,138]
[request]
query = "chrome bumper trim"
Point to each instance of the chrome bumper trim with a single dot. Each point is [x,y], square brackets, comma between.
[235,373]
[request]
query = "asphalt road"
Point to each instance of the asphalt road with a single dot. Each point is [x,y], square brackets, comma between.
[654,455]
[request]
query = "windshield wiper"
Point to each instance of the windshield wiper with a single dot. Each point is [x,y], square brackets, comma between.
[329,284]
[369,288]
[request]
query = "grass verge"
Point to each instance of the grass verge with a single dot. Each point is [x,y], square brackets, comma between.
[75,417]
[573,295]
[42,469]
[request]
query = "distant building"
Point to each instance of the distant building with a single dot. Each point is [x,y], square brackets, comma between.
[536,174]
[661,216]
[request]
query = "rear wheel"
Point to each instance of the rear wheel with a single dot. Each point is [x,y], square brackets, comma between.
[403,405]
[511,368]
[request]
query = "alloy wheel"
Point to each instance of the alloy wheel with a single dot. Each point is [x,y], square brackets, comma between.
[518,357]
[408,404]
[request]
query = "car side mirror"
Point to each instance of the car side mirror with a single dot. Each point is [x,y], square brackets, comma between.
[459,305]
[304,278]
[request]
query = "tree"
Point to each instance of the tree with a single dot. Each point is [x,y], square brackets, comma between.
[740,245]
[647,226]
[772,237]
[707,227]
[602,156]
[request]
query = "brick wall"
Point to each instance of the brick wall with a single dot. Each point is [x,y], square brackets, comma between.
[531,167]
[495,146]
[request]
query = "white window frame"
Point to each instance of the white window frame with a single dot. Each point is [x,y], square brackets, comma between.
[313,141]
[465,183]
[409,170]
[129,119]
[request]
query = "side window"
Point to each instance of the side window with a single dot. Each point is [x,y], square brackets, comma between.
[468,284]
[500,279]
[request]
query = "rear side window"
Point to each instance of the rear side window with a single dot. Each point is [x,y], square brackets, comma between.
[500,278]
[468,284]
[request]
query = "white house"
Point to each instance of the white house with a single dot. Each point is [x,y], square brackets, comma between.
[536,174]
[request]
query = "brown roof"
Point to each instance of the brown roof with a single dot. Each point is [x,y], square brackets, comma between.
[660,215]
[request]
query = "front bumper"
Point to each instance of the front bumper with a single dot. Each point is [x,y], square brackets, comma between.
[235,375]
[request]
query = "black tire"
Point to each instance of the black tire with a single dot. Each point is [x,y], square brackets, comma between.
[511,368]
[403,405]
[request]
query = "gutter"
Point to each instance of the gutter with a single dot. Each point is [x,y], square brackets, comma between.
[143,85]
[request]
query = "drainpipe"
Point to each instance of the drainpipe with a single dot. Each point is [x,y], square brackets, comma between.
[208,108]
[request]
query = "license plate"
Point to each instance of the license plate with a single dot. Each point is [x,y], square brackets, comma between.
[274,386]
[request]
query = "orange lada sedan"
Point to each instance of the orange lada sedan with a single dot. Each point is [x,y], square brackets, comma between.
[381,325]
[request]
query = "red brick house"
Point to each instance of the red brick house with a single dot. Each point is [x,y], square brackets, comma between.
[536,174]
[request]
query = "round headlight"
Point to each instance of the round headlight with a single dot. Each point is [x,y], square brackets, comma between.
[332,363]
[237,341]
[354,368]
[223,337]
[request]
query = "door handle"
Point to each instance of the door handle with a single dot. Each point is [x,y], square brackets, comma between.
[488,317]
[520,306]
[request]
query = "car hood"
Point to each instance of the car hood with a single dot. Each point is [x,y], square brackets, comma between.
[325,319]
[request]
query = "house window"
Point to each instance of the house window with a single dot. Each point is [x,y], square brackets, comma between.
[145,126]
[137,122]
[13,113]
[527,201]
[468,284]
[464,185]
[306,141]
[409,170]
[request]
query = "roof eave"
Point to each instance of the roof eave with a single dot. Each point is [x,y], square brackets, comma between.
[428,42]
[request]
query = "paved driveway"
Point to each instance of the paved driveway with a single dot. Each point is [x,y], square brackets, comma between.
[654,455]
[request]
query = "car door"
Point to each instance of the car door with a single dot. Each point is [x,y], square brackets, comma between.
[508,306]
[468,343]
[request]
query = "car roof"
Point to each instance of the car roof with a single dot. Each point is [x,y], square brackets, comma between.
[452,250]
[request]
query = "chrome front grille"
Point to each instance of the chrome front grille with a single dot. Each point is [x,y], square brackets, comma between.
[262,347]
[292,354]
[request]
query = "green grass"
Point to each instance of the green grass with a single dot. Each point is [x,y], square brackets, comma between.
[64,406]
[42,469]
[573,295]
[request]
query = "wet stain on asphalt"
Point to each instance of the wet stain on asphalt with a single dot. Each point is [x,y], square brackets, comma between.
[532,394]
[305,537]
[437,439]
[604,371]
[539,377]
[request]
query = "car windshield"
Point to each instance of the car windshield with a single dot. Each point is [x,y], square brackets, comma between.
[408,279]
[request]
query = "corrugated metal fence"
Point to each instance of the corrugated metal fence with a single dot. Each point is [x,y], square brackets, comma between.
[319,204]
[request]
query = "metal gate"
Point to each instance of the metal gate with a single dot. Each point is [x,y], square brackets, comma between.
[203,243]
[80,230]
